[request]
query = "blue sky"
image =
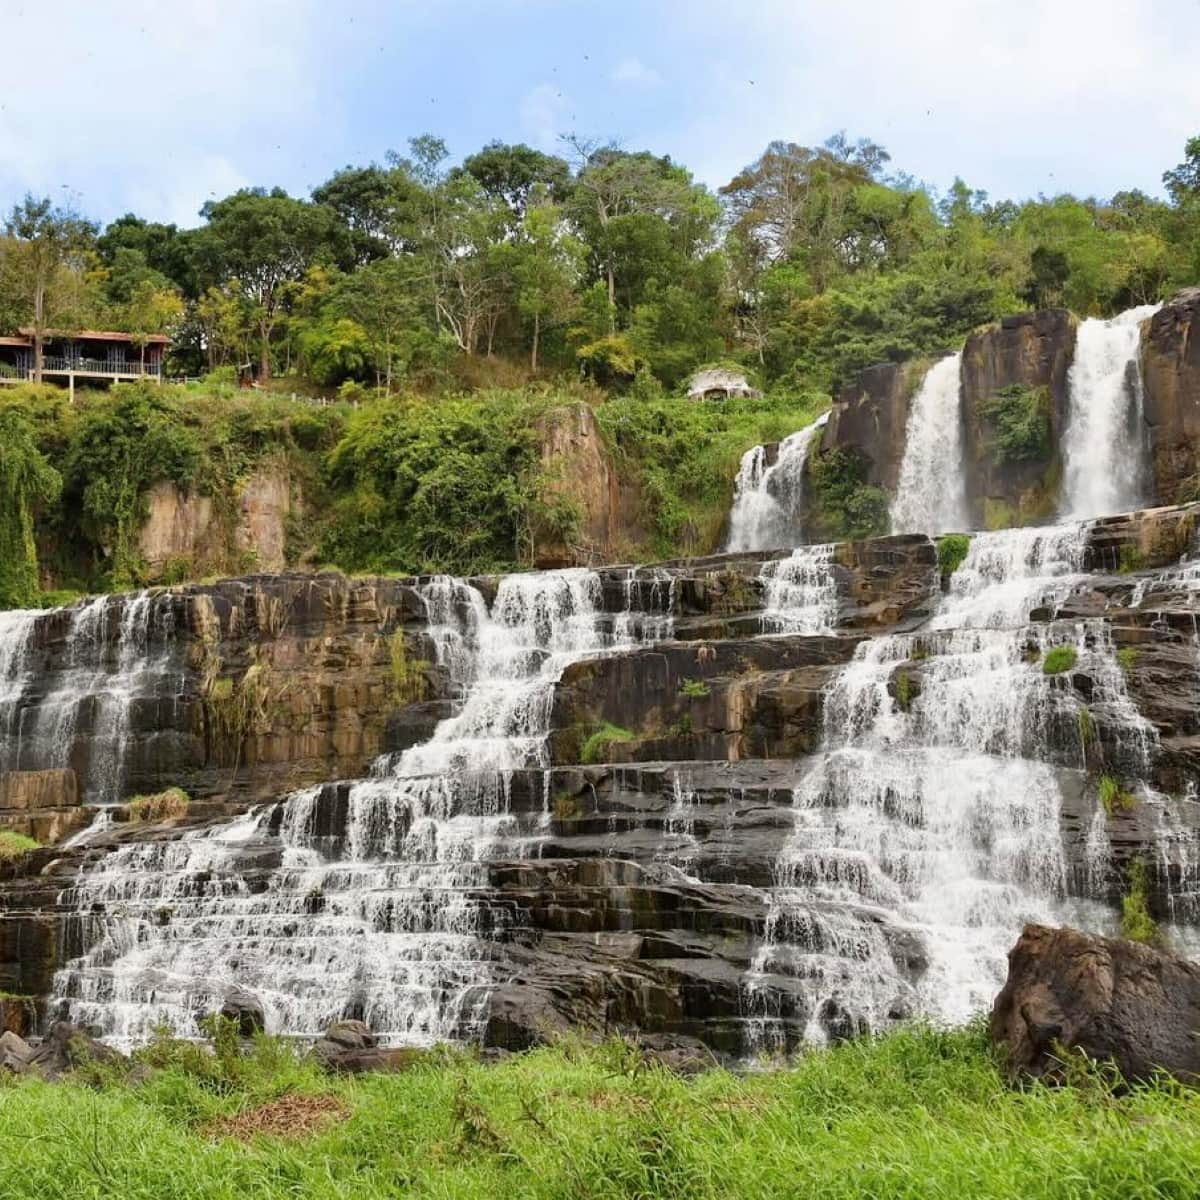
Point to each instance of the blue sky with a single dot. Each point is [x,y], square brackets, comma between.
[154,106]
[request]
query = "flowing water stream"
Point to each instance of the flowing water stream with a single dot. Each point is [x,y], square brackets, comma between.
[768,499]
[378,915]
[931,493]
[1105,445]
[927,832]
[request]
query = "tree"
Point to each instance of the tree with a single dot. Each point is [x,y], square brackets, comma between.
[151,309]
[255,243]
[1183,181]
[44,243]
[514,173]
[548,260]
[377,206]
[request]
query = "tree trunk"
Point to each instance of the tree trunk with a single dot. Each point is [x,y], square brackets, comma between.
[39,319]
[536,330]
[612,300]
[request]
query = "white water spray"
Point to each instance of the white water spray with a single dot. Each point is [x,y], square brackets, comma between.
[767,500]
[931,493]
[1105,448]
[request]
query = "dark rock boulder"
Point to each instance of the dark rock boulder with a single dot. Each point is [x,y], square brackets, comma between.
[245,1010]
[67,1047]
[1032,351]
[869,420]
[350,1048]
[1171,395]
[1114,1000]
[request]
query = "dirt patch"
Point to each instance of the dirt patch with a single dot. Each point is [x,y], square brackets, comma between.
[290,1116]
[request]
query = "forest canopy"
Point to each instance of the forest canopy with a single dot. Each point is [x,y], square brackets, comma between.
[612,264]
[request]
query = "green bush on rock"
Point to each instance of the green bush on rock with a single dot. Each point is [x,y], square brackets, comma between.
[952,550]
[597,743]
[1020,424]
[1059,659]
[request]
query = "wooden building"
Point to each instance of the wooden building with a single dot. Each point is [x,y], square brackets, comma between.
[88,355]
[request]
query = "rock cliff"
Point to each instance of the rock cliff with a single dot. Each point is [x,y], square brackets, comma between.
[645,872]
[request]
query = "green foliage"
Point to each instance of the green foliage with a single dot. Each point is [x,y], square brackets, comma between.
[1127,658]
[1087,727]
[1113,797]
[169,805]
[410,680]
[682,456]
[904,691]
[1136,922]
[845,505]
[1020,424]
[952,550]
[446,486]
[1132,559]
[923,1113]
[27,483]
[127,441]
[14,845]
[1059,659]
[694,688]
[597,744]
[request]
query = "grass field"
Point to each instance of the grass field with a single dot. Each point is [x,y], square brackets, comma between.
[920,1114]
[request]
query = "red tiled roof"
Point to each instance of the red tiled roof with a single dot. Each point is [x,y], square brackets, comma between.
[95,335]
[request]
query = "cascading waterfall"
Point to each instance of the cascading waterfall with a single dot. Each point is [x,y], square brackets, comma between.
[931,493]
[1105,446]
[767,499]
[379,917]
[116,648]
[925,833]
[800,592]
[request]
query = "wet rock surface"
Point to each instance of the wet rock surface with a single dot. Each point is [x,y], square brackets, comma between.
[652,890]
[1115,1001]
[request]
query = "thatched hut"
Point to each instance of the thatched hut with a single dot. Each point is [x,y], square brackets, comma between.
[719,382]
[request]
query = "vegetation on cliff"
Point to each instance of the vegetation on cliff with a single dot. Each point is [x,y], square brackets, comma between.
[919,1113]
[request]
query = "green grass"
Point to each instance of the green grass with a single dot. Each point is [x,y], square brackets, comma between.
[1058,659]
[920,1115]
[1114,798]
[696,689]
[1127,658]
[12,846]
[596,744]
[1136,922]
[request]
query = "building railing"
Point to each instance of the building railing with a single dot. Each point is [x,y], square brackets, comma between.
[97,366]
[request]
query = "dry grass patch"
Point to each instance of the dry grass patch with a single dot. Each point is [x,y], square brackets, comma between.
[291,1116]
[171,805]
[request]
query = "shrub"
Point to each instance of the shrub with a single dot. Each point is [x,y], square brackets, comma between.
[1020,420]
[1136,922]
[169,805]
[847,506]
[952,549]
[1127,658]
[1132,559]
[1113,797]
[14,845]
[1058,660]
[695,688]
[904,691]
[597,743]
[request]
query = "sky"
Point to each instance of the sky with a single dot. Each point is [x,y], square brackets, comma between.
[155,107]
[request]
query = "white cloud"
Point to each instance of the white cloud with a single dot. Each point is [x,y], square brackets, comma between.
[632,72]
[153,107]
[1018,96]
[544,113]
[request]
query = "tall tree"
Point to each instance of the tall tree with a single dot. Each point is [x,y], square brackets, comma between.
[547,265]
[43,241]
[256,243]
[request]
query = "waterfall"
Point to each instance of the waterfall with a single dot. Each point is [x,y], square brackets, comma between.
[379,911]
[767,500]
[800,592]
[116,649]
[931,493]
[1105,446]
[926,833]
